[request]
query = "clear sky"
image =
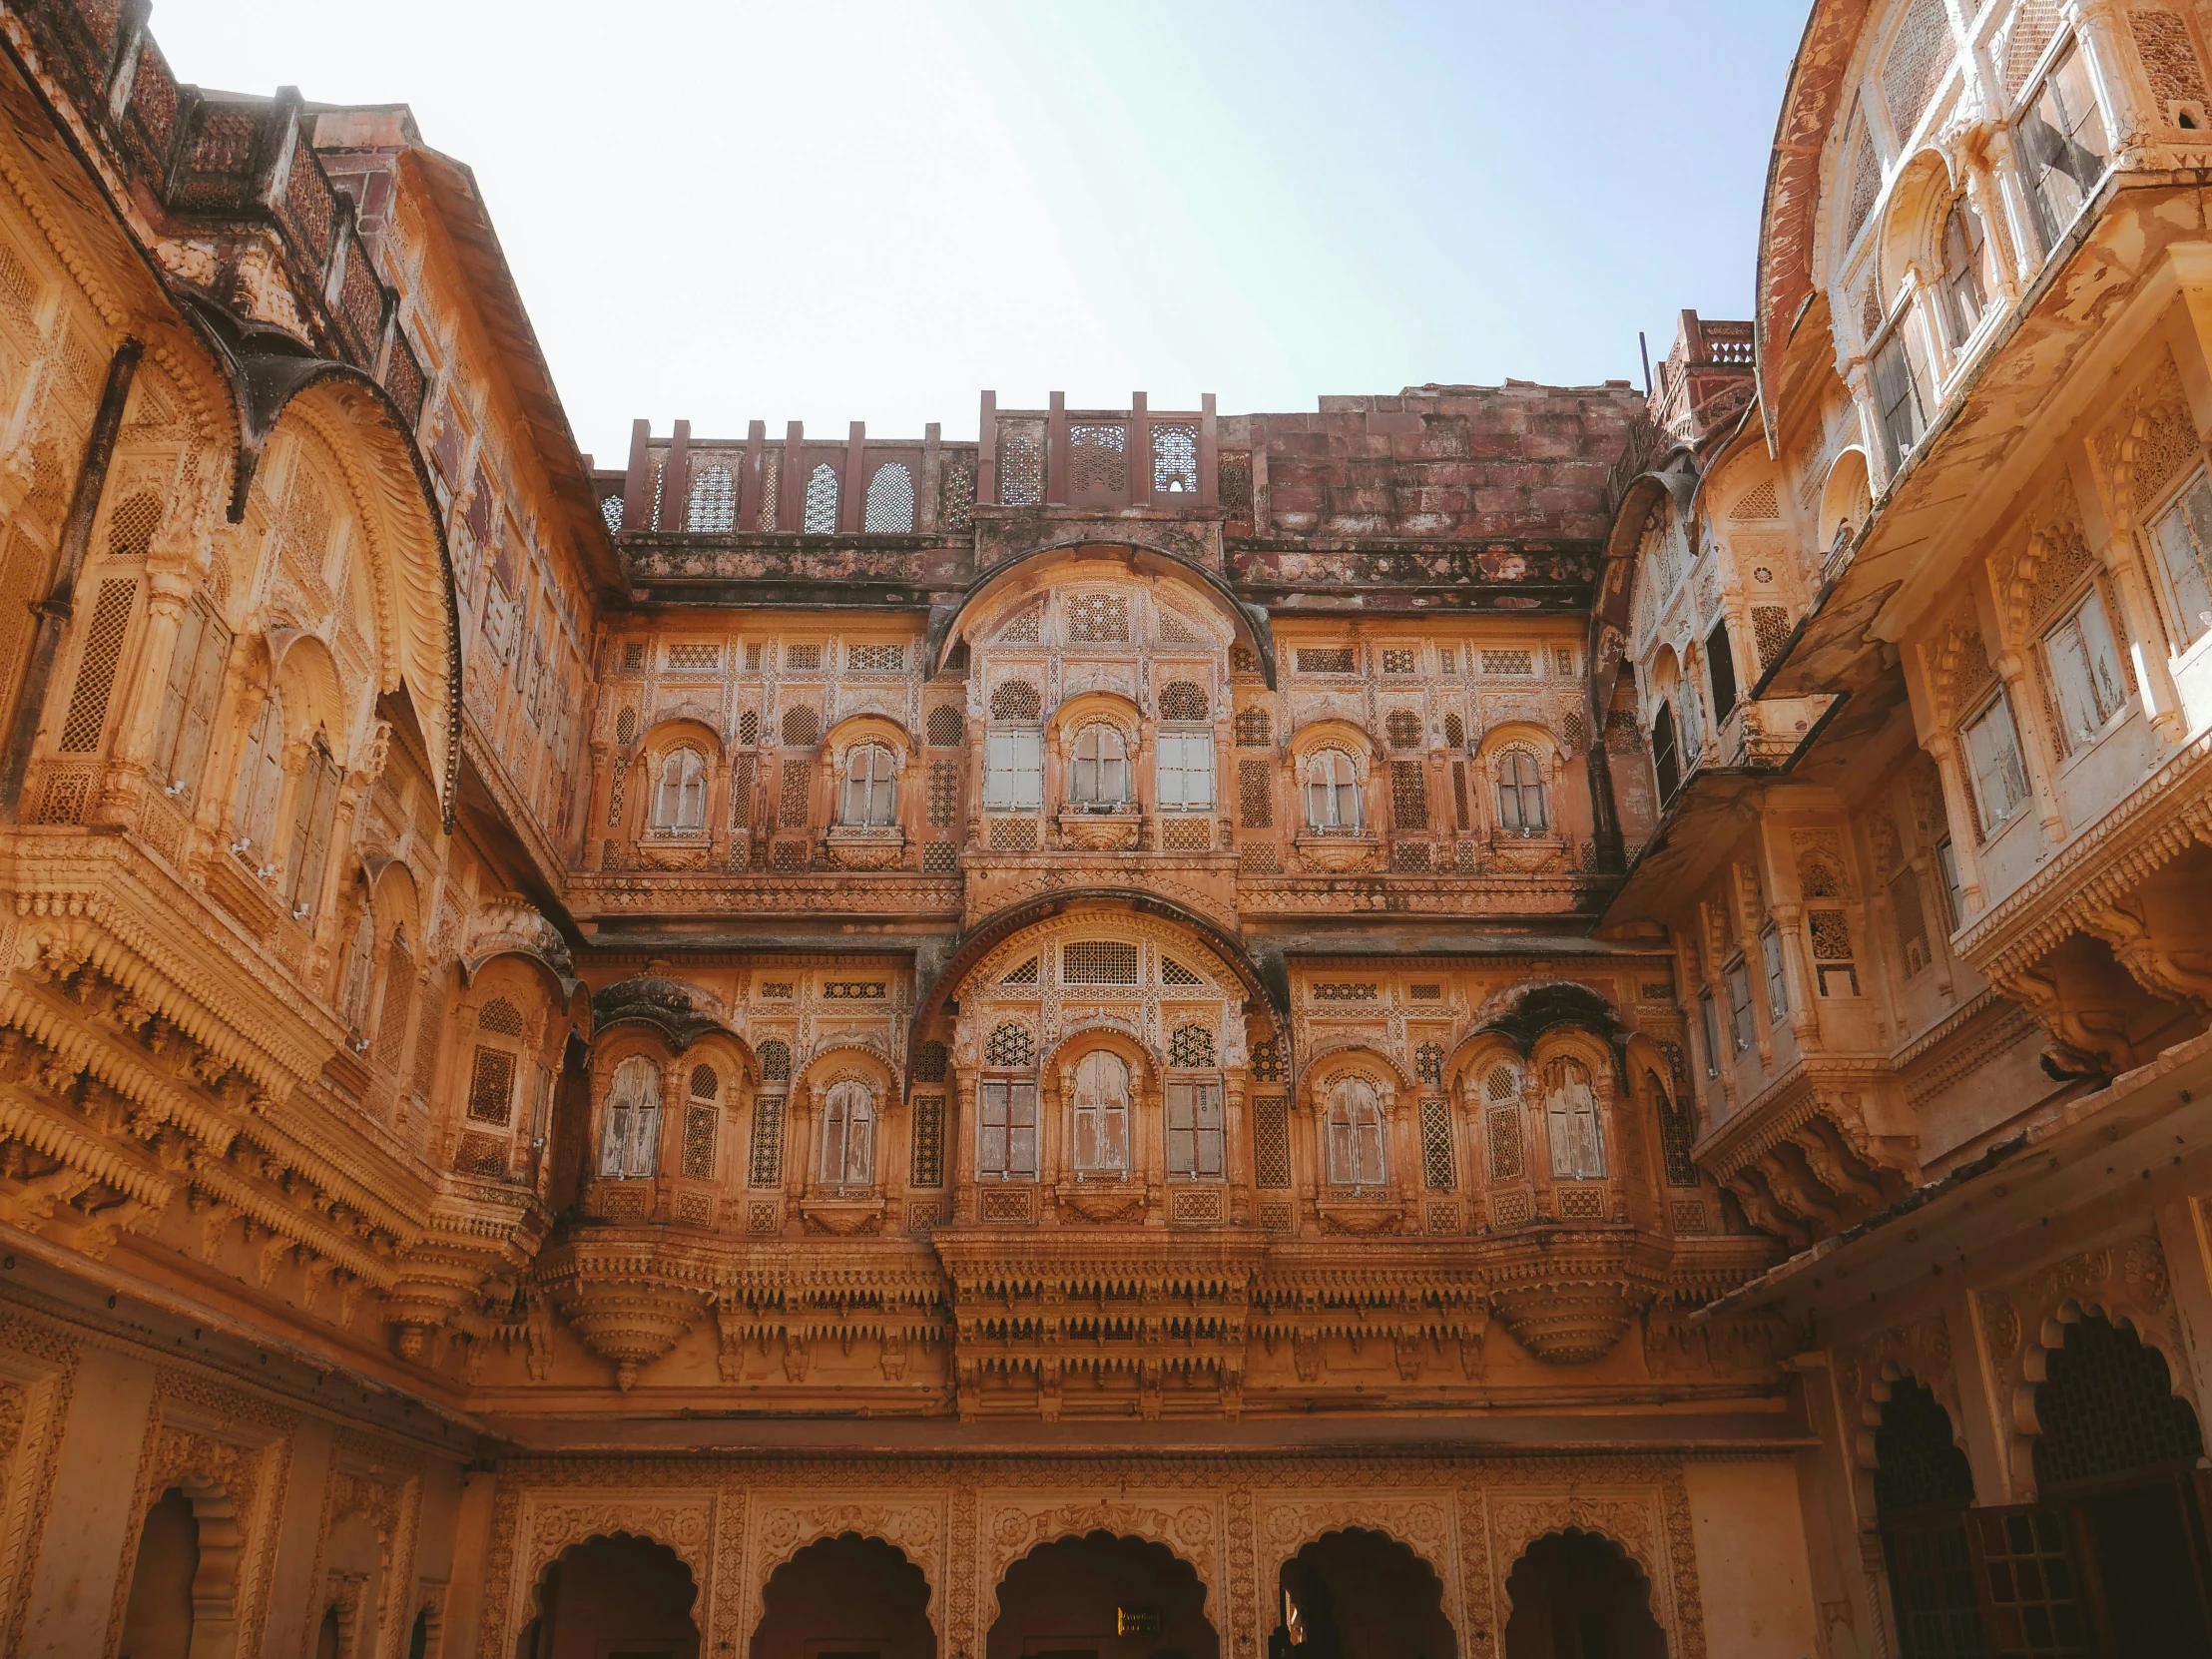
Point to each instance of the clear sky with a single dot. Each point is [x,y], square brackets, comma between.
[831,213]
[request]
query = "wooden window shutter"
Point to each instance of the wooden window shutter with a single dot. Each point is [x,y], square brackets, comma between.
[310,831]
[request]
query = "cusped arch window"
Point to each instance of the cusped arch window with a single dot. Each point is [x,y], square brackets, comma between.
[848,1136]
[679,796]
[630,1136]
[1354,1130]
[1098,769]
[1961,247]
[1523,808]
[1332,793]
[1101,1116]
[870,785]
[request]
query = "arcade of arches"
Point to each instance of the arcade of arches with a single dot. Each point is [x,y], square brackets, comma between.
[1474,1022]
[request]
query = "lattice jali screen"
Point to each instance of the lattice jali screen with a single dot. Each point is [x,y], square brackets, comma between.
[1455,732]
[89,698]
[1098,458]
[1098,619]
[774,1056]
[1770,627]
[876,659]
[1259,858]
[1175,458]
[1185,835]
[927,1160]
[1412,857]
[1328,660]
[1251,729]
[2107,1409]
[694,657]
[1195,1207]
[1403,727]
[698,1142]
[1409,794]
[1026,974]
[944,792]
[766,1167]
[1504,1131]
[1017,699]
[798,778]
[1013,835]
[1173,972]
[131,525]
[1267,1060]
[1020,464]
[1011,1049]
[957,493]
[1581,1203]
[492,1086]
[943,727]
[712,508]
[1190,1045]
[802,659]
[481,1155]
[940,858]
[1436,1146]
[1400,660]
[1429,1062]
[801,726]
[822,501]
[1098,963]
[889,506]
[1271,1141]
[1180,700]
[1508,662]
[930,1061]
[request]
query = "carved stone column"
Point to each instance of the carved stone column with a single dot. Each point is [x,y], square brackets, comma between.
[1944,749]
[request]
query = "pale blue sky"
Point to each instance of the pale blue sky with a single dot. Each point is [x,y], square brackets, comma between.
[832,212]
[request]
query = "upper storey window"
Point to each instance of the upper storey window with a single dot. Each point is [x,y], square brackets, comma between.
[869,801]
[2065,144]
[1013,750]
[1571,1120]
[1098,778]
[1897,396]
[630,1139]
[1331,793]
[1186,757]
[1666,761]
[1963,249]
[1101,1115]
[1994,751]
[848,1136]
[680,803]
[1520,794]
[1355,1135]
[2184,536]
[2085,666]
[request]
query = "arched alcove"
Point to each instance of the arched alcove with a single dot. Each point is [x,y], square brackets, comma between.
[1577,1595]
[619,1594]
[157,1620]
[1360,1594]
[1115,1598]
[1923,1487]
[847,1593]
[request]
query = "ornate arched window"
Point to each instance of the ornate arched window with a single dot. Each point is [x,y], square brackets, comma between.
[1184,758]
[1666,763]
[1098,776]
[313,815]
[1522,809]
[1962,245]
[261,785]
[1101,1116]
[1194,1121]
[869,798]
[848,1136]
[680,803]
[822,501]
[1571,1123]
[359,978]
[1013,750]
[889,508]
[630,1135]
[1332,793]
[1354,1134]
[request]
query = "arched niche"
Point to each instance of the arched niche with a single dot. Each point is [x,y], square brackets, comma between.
[1846,497]
[1075,1584]
[1913,221]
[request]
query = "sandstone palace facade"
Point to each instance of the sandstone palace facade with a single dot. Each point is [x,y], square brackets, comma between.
[1507,1022]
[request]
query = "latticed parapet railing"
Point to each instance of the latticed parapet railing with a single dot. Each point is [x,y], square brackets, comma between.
[241,161]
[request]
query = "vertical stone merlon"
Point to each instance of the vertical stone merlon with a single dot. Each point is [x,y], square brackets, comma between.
[637,483]
[748,476]
[851,508]
[1261,495]
[676,484]
[1056,453]
[986,452]
[925,487]
[790,479]
[1140,450]
[1209,451]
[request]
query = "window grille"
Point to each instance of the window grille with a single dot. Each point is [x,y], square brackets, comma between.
[1013,835]
[1251,729]
[1098,963]
[1098,619]
[1175,460]
[930,1061]
[1176,629]
[2107,1409]
[1182,701]
[1011,1049]
[633,655]
[776,1059]
[1436,1162]
[767,1161]
[1026,974]
[1191,1046]
[694,657]
[1187,834]
[705,1085]
[1257,859]
[1508,662]
[803,659]
[925,1165]
[1328,660]
[944,786]
[1271,1141]
[492,1086]
[1016,700]
[1255,795]
[1098,459]
[1459,795]
[713,509]
[874,659]
[481,1155]
[1503,1083]
[1409,794]
[1455,732]
[1400,660]
[822,501]
[889,507]
[87,699]
[131,525]
[776,991]
[801,726]
[798,786]
[500,1017]
[852,990]
[1403,727]
[943,726]
[1429,1063]
[1173,972]
[1833,957]
[749,729]
[1917,58]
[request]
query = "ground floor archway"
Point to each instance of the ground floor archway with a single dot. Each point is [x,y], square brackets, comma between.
[1576,1595]
[622,1595]
[1102,1597]
[157,1619]
[855,1597]
[1359,1594]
